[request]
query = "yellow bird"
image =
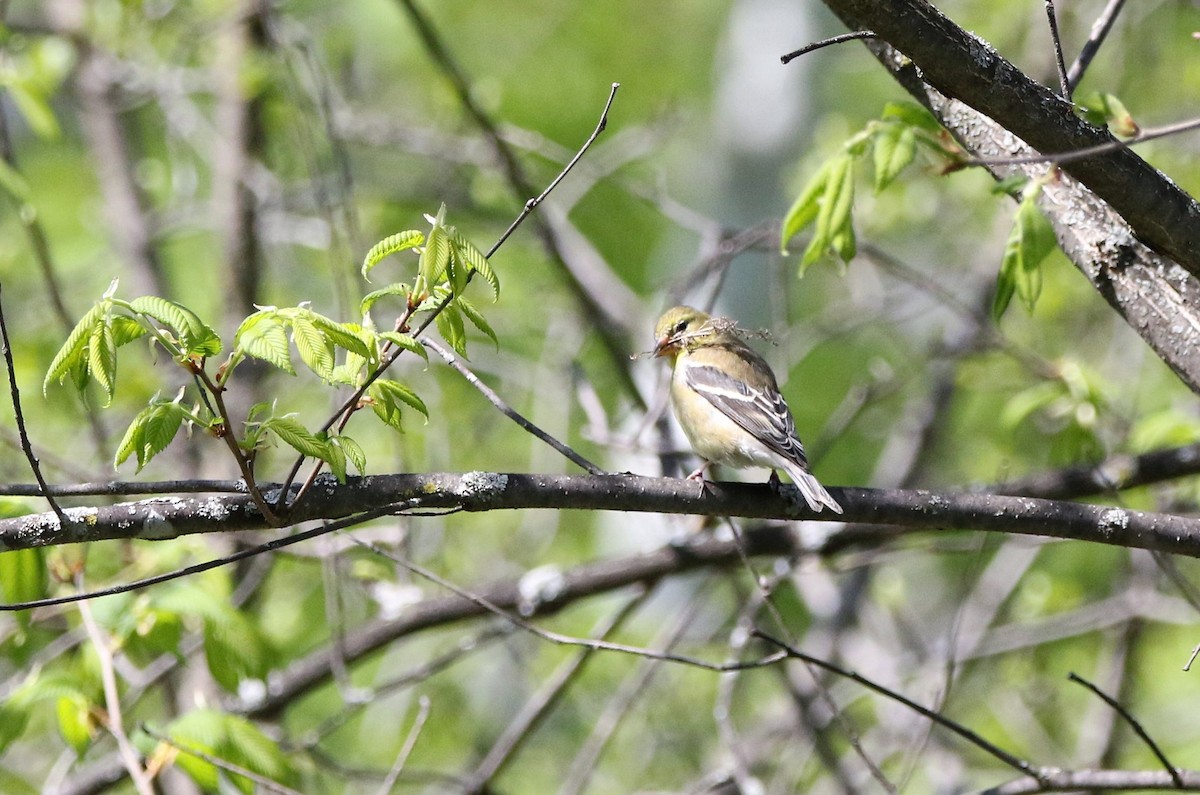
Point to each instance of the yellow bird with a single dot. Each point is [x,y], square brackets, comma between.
[728,402]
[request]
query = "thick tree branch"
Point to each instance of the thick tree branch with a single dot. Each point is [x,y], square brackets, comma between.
[964,67]
[158,519]
[1111,215]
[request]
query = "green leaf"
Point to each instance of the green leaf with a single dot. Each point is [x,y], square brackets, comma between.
[387,395]
[390,245]
[343,336]
[458,274]
[354,452]
[405,341]
[235,649]
[913,115]
[476,319]
[1029,243]
[466,252]
[102,360]
[833,217]
[72,353]
[263,336]
[895,148]
[75,722]
[34,108]
[126,330]
[1106,110]
[399,288]
[297,436]
[23,575]
[450,326]
[804,210]
[397,391]
[335,456]
[314,347]
[1012,185]
[201,730]
[435,256]
[14,716]
[195,337]
[150,432]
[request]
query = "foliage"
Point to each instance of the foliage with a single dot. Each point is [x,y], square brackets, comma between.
[263,154]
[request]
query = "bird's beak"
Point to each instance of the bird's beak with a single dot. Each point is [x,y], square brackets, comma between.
[665,346]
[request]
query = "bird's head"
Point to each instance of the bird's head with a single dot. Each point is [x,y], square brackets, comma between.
[681,328]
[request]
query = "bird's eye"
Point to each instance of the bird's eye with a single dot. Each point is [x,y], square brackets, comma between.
[679,327]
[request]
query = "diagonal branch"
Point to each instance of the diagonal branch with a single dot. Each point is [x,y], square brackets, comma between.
[962,66]
[1112,213]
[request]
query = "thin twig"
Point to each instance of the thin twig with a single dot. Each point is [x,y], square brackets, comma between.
[1060,64]
[508,410]
[1096,37]
[517,733]
[410,742]
[26,446]
[112,702]
[1133,724]
[412,677]
[816,45]
[942,720]
[605,724]
[1060,158]
[262,781]
[342,415]
[532,204]
[566,640]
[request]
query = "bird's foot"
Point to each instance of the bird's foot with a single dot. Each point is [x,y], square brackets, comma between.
[698,476]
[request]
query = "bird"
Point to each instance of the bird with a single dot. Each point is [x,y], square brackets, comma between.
[728,403]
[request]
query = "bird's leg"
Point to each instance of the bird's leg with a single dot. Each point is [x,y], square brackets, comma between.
[698,476]
[775,484]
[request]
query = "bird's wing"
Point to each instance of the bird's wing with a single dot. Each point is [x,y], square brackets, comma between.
[761,412]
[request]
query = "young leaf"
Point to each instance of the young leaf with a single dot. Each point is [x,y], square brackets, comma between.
[354,452]
[397,391]
[126,330]
[314,347]
[196,338]
[405,341]
[387,395]
[72,353]
[150,432]
[262,336]
[335,456]
[435,256]
[102,359]
[399,288]
[465,251]
[450,326]
[1029,243]
[297,437]
[23,575]
[476,319]
[235,649]
[343,336]
[390,245]
[895,148]
[804,210]
[75,723]
[912,115]
[834,213]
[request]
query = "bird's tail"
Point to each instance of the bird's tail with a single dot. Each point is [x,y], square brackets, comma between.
[814,493]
